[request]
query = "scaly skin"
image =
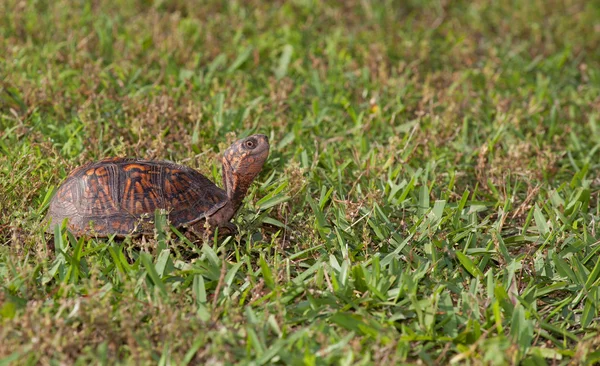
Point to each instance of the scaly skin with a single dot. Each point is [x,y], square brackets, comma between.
[241,164]
[119,196]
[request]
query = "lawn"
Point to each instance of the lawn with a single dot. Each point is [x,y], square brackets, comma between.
[431,194]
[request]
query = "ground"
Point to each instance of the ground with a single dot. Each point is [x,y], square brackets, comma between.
[431,195]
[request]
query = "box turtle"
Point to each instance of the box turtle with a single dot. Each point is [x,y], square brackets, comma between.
[120,195]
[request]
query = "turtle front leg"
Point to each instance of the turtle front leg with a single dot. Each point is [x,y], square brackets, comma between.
[207,231]
[220,219]
[230,227]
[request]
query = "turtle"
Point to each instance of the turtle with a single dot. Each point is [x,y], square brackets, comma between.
[119,196]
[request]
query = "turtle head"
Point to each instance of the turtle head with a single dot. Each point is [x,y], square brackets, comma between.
[242,162]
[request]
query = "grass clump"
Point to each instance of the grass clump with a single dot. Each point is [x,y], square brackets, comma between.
[431,196]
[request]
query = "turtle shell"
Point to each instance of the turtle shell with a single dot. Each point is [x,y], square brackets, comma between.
[120,196]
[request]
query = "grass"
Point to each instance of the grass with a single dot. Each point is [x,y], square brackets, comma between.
[431,197]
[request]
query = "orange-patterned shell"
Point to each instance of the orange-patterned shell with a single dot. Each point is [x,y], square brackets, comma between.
[120,196]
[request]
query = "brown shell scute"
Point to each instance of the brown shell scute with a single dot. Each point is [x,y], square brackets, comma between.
[121,195]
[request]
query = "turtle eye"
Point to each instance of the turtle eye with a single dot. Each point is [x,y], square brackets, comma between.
[250,144]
